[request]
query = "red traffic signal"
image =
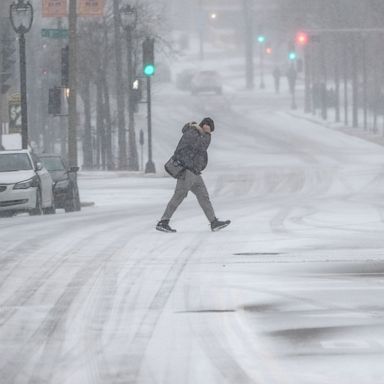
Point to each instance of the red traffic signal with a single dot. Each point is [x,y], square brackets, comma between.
[302,38]
[268,50]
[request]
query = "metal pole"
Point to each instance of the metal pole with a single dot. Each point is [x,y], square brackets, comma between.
[201,25]
[23,91]
[323,86]
[122,157]
[307,85]
[133,164]
[150,166]
[141,150]
[72,113]
[262,84]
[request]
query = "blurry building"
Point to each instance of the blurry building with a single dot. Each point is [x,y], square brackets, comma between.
[222,21]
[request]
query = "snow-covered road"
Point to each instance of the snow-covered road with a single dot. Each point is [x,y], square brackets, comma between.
[291,292]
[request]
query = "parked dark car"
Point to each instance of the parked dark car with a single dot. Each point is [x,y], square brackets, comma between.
[65,190]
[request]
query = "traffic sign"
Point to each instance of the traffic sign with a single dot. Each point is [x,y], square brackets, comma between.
[14,110]
[54,33]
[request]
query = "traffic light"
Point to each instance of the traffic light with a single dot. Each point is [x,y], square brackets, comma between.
[268,50]
[65,66]
[54,101]
[302,38]
[292,55]
[7,63]
[137,93]
[291,51]
[261,39]
[148,57]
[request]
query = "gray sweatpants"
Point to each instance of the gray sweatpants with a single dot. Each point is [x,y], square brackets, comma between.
[194,183]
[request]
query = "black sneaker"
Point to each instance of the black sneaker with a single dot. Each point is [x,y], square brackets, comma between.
[163,226]
[216,224]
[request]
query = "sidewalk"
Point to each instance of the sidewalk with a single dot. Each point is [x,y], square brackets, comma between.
[368,134]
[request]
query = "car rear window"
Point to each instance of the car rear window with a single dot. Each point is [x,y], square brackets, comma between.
[14,162]
[53,163]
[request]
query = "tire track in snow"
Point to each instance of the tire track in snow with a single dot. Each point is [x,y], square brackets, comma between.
[131,359]
[40,277]
[100,369]
[54,322]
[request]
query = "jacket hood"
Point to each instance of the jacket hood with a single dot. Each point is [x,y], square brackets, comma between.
[191,125]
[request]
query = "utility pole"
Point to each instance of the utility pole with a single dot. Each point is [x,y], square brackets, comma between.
[72,113]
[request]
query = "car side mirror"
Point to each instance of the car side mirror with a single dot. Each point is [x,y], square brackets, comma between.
[39,166]
[74,169]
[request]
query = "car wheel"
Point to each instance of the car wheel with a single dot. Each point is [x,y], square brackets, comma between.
[38,210]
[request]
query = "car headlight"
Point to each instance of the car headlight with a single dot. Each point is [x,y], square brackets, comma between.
[62,184]
[30,183]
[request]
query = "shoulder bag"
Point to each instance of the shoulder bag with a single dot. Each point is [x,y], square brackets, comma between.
[174,167]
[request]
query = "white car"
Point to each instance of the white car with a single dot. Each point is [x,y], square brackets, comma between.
[25,185]
[206,81]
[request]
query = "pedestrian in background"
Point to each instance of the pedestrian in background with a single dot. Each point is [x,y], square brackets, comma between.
[276,77]
[192,153]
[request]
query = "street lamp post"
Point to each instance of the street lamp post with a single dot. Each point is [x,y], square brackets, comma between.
[128,19]
[261,40]
[21,16]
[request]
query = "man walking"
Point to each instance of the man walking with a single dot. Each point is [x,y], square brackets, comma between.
[192,153]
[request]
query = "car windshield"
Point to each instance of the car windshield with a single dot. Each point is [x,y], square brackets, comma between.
[53,163]
[14,162]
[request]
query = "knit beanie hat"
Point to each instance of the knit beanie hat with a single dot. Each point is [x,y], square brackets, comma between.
[208,121]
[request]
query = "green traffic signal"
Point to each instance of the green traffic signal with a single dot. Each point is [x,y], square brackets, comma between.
[149,70]
[292,56]
[261,38]
[148,57]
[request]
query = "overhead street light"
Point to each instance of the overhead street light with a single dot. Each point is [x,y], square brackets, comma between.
[21,16]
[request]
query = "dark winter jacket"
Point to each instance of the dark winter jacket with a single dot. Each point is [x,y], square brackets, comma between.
[192,148]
